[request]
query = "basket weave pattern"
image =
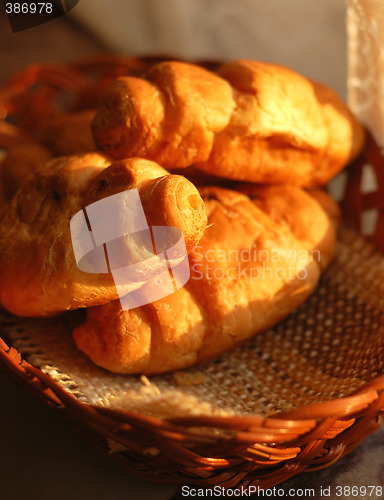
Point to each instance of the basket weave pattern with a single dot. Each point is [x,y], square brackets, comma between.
[293,399]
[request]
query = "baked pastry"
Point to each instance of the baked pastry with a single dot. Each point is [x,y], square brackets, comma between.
[39,270]
[249,121]
[260,257]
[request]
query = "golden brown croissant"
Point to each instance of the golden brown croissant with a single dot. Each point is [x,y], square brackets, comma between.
[257,261]
[250,121]
[38,267]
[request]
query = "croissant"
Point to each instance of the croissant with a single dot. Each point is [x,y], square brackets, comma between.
[260,257]
[70,133]
[44,273]
[249,121]
[19,163]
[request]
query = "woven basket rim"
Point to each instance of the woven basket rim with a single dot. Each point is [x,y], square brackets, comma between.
[281,438]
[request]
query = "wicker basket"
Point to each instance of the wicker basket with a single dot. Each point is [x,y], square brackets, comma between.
[293,399]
